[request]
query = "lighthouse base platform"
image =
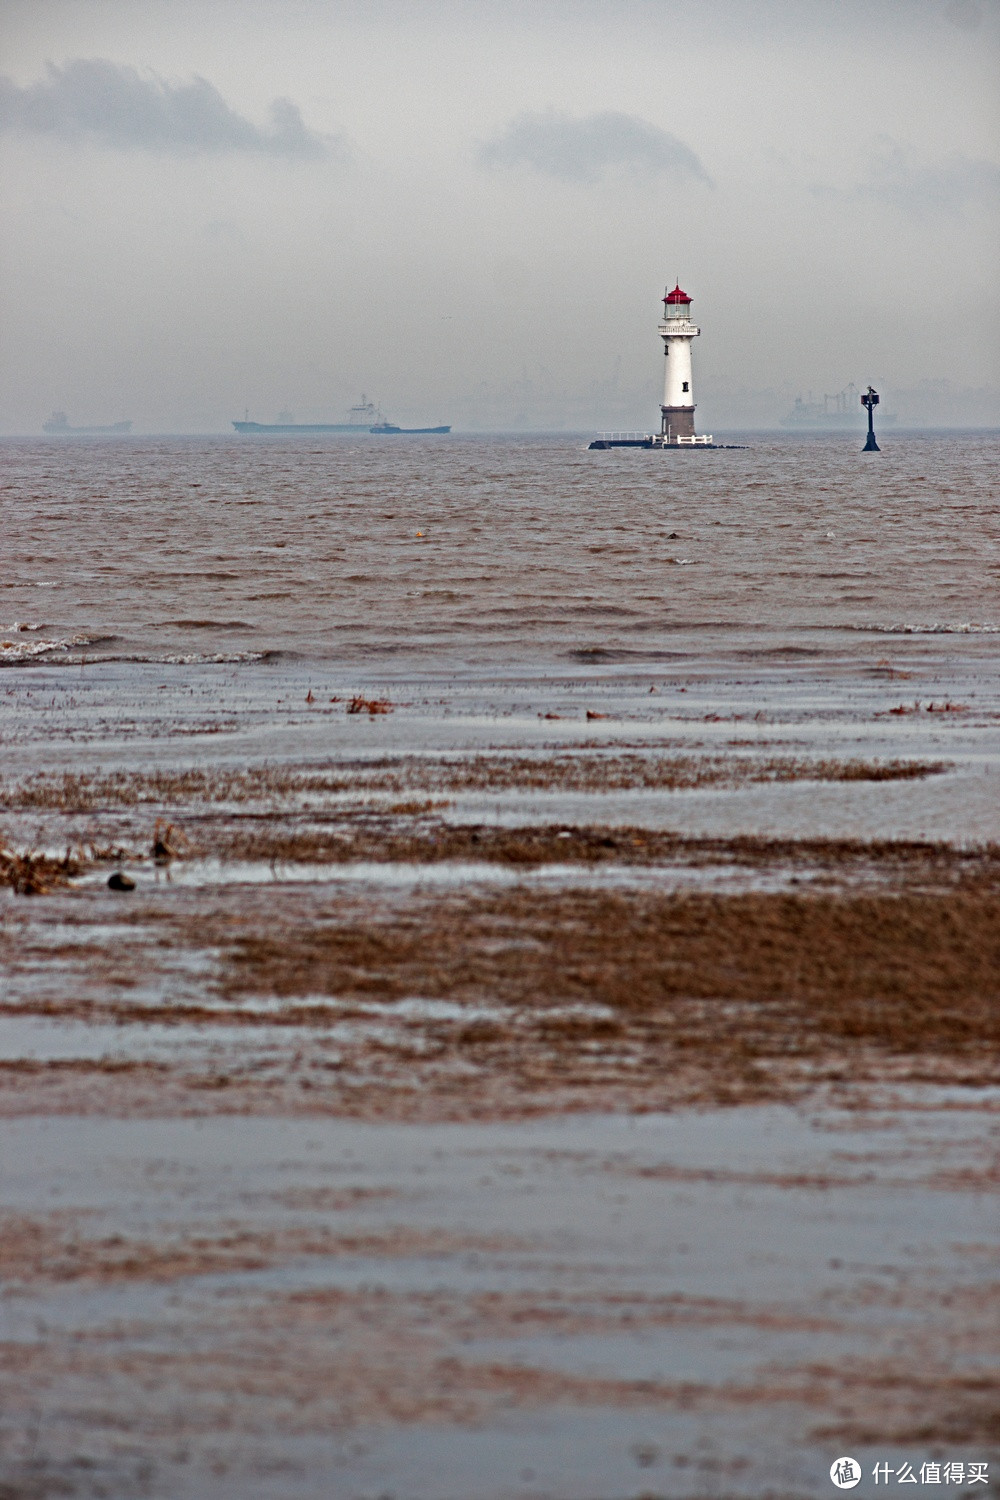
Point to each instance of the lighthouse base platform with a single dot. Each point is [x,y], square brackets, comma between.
[650,440]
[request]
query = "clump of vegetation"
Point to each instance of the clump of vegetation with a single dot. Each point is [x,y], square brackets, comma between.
[35,874]
[359,705]
[168,842]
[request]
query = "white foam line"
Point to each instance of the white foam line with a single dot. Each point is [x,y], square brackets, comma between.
[204,873]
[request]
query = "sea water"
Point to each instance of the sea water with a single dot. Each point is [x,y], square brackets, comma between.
[429,554]
[176,603]
[181,601]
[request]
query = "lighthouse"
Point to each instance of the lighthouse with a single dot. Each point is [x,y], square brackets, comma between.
[677,408]
[677,331]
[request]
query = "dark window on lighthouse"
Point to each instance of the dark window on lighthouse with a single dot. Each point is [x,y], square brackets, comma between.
[684,386]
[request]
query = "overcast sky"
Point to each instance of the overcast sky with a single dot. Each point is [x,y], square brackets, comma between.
[469,210]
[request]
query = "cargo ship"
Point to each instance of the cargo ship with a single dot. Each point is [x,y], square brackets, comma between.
[379,428]
[58,425]
[843,409]
[365,417]
[360,419]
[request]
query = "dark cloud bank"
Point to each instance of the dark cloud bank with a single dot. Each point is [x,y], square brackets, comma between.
[588,148]
[96,100]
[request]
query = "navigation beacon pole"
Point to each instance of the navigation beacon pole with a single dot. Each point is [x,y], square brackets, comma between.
[870,400]
[677,331]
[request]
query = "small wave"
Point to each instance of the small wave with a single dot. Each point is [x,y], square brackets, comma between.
[966,627]
[201,658]
[213,575]
[210,624]
[621,653]
[12,652]
[762,653]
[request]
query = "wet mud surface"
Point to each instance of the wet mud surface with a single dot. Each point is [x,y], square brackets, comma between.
[452,970]
[462,1123]
[695,1304]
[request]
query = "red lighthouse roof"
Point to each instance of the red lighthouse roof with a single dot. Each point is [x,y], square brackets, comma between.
[677,295]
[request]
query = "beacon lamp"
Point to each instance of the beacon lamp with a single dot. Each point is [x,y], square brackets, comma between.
[870,401]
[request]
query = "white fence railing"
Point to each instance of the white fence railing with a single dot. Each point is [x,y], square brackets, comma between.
[659,440]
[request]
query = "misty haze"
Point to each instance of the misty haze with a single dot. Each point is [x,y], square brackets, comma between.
[470,213]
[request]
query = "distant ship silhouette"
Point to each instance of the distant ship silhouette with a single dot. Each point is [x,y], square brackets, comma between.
[366,417]
[843,409]
[59,424]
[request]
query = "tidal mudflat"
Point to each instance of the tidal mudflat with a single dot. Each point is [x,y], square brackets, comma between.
[530,1057]
[431,1120]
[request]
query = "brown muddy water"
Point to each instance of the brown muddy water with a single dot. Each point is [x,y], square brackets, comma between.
[547,1045]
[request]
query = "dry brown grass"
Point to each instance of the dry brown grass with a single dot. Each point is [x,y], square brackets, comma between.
[31,874]
[583,771]
[725,979]
[427,839]
[887,969]
[360,705]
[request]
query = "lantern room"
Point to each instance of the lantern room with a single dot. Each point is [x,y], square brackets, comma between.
[677,304]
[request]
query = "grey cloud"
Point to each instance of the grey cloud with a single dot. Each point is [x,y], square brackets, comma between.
[965,14]
[94,99]
[919,188]
[586,149]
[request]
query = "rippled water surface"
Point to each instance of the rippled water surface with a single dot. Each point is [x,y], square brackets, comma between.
[493,551]
[727,715]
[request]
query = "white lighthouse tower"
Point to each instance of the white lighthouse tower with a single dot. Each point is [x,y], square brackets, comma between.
[677,409]
[677,331]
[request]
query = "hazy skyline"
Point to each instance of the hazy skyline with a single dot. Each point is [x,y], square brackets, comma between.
[469,212]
